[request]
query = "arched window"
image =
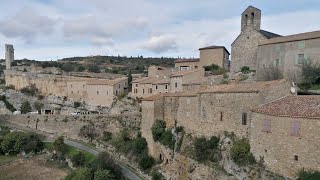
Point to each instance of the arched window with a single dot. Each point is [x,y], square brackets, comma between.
[252,17]
[246,19]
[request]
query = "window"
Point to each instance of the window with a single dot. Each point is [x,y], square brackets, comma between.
[252,18]
[244,118]
[150,90]
[142,91]
[278,48]
[221,116]
[156,86]
[302,44]
[246,19]
[166,86]
[136,85]
[196,67]
[83,86]
[266,126]
[175,84]
[277,63]
[295,128]
[300,58]
[98,92]
[296,157]
[116,92]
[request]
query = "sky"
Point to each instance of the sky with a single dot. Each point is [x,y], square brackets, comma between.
[55,29]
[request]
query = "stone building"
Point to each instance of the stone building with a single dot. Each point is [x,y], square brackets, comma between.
[158,71]
[92,91]
[285,133]
[211,111]
[245,46]
[9,55]
[186,64]
[218,55]
[287,54]
[170,83]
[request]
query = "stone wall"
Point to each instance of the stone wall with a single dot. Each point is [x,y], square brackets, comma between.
[285,57]
[279,147]
[69,126]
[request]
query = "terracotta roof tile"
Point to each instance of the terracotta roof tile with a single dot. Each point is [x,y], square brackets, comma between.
[292,106]
[252,87]
[295,37]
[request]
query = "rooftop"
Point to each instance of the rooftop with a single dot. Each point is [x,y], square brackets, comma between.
[268,34]
[182,73]
[159,96]
[291,38]
[106,81]
[215,47]
[292,106]
[186,60]
[252,87]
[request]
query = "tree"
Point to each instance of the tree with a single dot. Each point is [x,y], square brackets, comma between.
[104,175]
[25,107]
[88,131]
[38,105]
[130,80]
[140,145]
[81,174]
[311,75]
[167,139]
[146,162]
[81,68]
[59,145]
[94,69]
[240,152]
[204,149]
[78,159]
[158,128]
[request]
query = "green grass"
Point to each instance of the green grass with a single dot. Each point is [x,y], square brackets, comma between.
[71,151]
[5,159]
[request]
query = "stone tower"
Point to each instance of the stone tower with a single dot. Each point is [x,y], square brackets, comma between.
[251,17]
[9,55]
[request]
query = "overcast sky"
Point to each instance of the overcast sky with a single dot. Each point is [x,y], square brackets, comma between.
[47,29]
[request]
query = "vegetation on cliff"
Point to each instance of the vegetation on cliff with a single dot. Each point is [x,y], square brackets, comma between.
[7,103]
[240,152]
[207,149]
[308,175]
[163,135]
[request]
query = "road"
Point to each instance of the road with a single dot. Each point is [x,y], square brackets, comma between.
[126,171]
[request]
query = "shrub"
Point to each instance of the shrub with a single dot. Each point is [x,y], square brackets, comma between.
[81,174]
[211,67]
[157,176]
[179,129]
[76,104]
[167,139]
[103,161]
[206,150]
[107,136]
[88,131]
[104,175]
[59,145]
[7,103]
[311,75]
[140,145]
[245,69]
[94,69]
[25,107]
[240,152]
[15,142]
[146,162]
[78,159]
[38,105]
[158,128]
[308,175]
[30,90]
[81,68]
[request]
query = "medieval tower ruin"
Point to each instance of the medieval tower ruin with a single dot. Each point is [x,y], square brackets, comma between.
[9,55]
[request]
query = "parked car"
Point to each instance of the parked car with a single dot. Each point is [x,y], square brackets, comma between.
[75,113]
[16,112]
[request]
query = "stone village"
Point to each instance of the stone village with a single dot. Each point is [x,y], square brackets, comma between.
[282,127]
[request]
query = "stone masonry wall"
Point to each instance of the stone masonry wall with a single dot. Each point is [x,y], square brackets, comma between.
[69,126]
[279,147]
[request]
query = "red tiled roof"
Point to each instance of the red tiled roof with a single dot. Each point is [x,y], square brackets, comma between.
[252,87]
[292,106]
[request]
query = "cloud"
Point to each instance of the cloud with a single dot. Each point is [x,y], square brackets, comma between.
[27,24]
[161,43]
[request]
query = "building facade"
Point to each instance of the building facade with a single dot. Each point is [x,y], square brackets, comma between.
[218,55]
[287,55]
[245,47]
[285,134]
